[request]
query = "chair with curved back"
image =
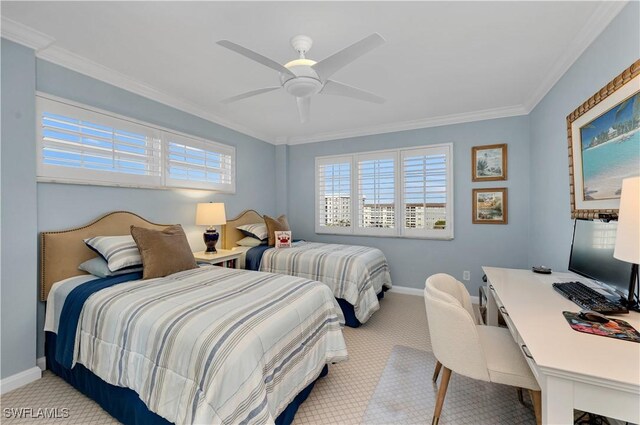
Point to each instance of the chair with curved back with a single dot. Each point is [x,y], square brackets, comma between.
[461,345]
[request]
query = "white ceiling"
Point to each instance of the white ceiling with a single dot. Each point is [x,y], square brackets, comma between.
[443,62]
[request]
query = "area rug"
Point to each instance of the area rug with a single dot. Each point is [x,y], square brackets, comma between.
[406,395]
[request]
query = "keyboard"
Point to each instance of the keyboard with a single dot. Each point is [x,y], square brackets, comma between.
[588,298]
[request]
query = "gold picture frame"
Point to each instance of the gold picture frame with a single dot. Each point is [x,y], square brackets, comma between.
[599,132]
[490,206]
[489,163]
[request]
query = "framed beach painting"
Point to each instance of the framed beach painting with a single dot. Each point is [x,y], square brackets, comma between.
[490,206]
[604,145]
[489,162]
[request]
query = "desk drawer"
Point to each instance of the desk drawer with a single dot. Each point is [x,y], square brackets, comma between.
[516,336]
[530,361]
[506,317]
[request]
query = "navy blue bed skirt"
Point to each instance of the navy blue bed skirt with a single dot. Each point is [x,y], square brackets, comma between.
[349,314]
[124,403]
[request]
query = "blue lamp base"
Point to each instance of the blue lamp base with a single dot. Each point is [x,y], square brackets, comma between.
[210,239]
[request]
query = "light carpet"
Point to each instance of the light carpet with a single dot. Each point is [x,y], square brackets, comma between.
[406,395]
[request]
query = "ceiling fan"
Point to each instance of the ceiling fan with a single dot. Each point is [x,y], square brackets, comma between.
[303,78]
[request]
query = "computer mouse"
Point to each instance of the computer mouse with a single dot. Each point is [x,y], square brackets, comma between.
[593,316]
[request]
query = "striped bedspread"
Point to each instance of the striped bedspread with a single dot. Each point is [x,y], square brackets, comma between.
[211,345]
[354,273]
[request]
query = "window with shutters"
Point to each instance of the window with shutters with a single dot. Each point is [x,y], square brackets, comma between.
[399,193]
[333,200]
[83,145]
[195,164]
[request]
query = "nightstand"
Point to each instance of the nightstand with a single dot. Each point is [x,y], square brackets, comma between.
[224,258]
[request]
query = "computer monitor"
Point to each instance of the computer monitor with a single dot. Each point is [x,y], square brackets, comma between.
[592,255]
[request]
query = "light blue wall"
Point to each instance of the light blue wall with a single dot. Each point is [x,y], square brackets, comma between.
[18,210]
[551,226]
[62,205]
[475,245]
[282,172]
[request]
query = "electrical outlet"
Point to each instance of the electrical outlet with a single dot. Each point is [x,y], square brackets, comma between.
[466,275]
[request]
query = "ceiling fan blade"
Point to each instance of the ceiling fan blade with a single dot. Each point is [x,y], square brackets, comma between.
[328,66]
[339,89]
[304,108]
[255,56]
[248,94]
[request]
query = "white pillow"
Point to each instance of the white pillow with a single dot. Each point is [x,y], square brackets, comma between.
[255,230]
[98,267]
[250,241]
[118,251]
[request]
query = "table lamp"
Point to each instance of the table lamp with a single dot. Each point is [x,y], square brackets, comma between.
[628,234]
[210,214]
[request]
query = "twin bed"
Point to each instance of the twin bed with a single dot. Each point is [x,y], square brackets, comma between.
[357,275]
[207,345]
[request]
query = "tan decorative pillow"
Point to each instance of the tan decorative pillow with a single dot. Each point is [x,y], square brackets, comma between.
[275,224]
[163,252]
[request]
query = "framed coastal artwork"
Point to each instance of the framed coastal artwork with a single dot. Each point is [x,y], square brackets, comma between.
[490,206]
[489,163]
[604,145]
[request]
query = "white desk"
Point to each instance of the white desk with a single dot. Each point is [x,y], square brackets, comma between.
[575,370]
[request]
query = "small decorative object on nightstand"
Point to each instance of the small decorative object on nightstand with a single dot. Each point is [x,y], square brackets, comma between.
[210,214]
[223,257]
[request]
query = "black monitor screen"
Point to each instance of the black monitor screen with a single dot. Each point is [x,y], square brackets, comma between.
[592,254]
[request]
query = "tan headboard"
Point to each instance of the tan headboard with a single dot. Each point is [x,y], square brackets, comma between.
[230,235]
[62,252]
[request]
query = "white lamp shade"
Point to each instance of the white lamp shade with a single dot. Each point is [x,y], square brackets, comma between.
[628,234]
[210,214]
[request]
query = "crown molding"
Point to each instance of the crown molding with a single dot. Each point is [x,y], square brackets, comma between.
[43,45]
[486,114]
[597,22]
[82,65]
[67,59]
[22,34]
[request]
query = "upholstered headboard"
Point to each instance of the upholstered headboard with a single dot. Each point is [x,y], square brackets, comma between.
[63,251]
[230,235]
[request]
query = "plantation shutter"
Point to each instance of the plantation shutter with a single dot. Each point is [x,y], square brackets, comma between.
[193,163]
[333,195]
[80,145]
[425,191]
[376,203]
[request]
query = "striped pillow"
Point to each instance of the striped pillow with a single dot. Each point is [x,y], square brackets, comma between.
[118,251]
[255,230]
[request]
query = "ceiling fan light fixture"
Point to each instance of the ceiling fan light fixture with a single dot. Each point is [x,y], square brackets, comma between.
[302,86]
[299,62]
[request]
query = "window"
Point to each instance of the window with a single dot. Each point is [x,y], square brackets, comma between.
[401,193]
[199,165]
[77,144]
[333,180]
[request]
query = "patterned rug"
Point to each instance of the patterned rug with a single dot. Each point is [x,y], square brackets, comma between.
[406,395]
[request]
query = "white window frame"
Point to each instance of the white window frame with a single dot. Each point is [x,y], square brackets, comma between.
[71,175]
[372,156]
[398,231]
[200,144]
[333,229]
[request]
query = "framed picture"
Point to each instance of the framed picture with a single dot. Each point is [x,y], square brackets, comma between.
[490,206]
[489,162]
[604,145]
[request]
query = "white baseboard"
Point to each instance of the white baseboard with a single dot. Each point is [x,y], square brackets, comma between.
[420,292]
[42,363]
[12,382]
[407,290]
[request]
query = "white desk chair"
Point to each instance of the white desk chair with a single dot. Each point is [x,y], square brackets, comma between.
[487,353]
